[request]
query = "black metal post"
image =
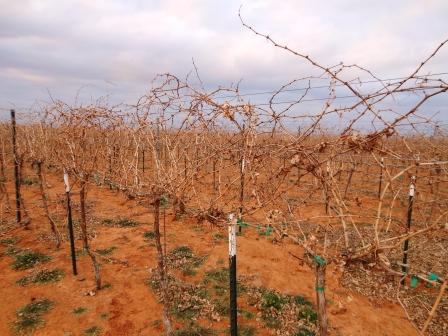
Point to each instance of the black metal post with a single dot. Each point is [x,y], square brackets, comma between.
[16,166]
[232,276]
[70,225]
[405,265]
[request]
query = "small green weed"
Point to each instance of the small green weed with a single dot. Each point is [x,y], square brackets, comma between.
[29,181]
[92,331]
[120,222]
[9,241]
[193,329]
[246,313]
[106,251]
[304,332]
[81,252]
[30,316]
[218,237]
[149,235]
[79,310]
[272,300]
[182,257]
[244,330]
[42,277]
[309,314]
[28,259]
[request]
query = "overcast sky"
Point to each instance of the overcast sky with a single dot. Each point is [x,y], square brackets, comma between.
[116,47]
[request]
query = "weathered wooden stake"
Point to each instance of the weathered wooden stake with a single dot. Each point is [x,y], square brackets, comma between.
[320,296]
[16,166]
[380,186]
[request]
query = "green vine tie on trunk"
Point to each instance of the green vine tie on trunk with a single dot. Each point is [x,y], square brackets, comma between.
[319,260]
[414,281]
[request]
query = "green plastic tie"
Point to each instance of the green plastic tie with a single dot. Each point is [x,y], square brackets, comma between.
[241,223]
[433,277]
[414,281]
[163,200]
[318,259]
[320,289]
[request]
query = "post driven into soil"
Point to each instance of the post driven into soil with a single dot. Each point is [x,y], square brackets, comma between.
[70,225]
[405,266]
[16,166]
[232,276]
[320,296]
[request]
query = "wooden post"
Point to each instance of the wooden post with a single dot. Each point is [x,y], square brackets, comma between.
[242,166]
[162,267]
[352,170]
[232,276]
[16,166]
[320,296]
[70,224]
[381,178]
[326,187]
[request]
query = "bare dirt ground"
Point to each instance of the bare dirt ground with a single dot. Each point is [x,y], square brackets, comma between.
[130,307]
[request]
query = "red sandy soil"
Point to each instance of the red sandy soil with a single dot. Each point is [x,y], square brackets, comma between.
[132,307]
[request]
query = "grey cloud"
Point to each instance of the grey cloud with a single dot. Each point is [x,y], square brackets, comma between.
[118,46]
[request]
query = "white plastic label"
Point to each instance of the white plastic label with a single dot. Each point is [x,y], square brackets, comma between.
[232,235]
[412,190]
[67,185]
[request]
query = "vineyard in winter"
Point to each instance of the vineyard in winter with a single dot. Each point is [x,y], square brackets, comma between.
[115,218]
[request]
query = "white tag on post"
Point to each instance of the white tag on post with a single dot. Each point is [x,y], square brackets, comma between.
[67,185]
[232,235]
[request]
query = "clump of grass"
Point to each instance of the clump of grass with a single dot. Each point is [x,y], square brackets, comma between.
[271,299]
[81,252]
[9,241]
[12,251]
[104,315]
[220,275]
[92,331]
[246,313]
[107,285]
[30,316]
[304,332]
[182,257]
[193,329]
[28,259]
[108,222]
[79,310]
[127,222]
[301,300]
[29,181]
[244,330]
[120,222]
[106,251]
[278,311]
[218,237]
[309,314]
[149,235]
[42,277]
